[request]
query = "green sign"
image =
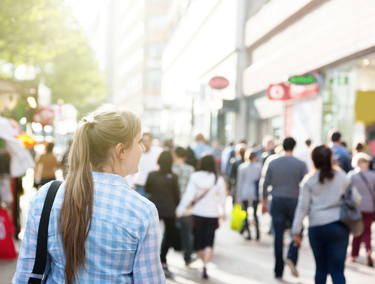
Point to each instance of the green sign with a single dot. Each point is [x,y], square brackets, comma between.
[302,80]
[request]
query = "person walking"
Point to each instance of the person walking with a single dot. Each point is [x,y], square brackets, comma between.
[284,174]
[340,154]
[200,146]
[206,191]
[239,159]
[247,192]
[364,180]
[321,193]
[100,231]
[162,185]
[183,172]
[147,164]
[46,165]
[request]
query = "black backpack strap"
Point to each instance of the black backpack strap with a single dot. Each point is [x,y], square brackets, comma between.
[37,275]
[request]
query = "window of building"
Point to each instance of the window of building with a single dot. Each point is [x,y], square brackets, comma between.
[157,22]
[155,49]
[153,78]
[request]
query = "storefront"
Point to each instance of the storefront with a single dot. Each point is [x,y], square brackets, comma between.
[349,100]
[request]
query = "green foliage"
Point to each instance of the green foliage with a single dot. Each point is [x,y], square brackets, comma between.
[45,33]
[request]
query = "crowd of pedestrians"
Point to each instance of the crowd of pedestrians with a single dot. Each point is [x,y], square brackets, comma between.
[186,189]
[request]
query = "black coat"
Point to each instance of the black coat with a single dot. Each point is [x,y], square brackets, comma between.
[164,192]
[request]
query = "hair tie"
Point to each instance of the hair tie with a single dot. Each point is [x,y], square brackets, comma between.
[88,119]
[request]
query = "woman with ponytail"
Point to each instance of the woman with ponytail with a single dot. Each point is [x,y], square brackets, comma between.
[100,230]
[320,198]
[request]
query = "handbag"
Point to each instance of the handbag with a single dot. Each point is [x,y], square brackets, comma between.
[371,192]
[350,215]
[37,274]
[238,218]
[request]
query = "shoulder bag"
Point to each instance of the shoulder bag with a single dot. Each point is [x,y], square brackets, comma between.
[371,191]
[36,276]
[350,215]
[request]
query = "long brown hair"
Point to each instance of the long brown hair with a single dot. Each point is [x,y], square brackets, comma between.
[92,146]
[322,158]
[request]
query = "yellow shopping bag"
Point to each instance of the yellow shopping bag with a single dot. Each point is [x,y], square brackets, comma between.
[238,218]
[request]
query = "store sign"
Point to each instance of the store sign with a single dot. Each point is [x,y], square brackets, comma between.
[218,83]
[278,92]
[284,92]
[302,80]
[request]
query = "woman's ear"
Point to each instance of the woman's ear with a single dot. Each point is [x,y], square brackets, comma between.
[119,151]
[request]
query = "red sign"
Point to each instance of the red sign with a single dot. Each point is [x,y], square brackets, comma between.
[44,116]
[218,83]
[282,92]
[278,92]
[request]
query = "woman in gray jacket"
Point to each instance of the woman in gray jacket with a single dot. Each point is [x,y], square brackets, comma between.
[247,188]
[320,198]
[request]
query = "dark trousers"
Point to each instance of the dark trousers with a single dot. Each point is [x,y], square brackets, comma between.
[329,243]
[366,236]
[186,237]
[282,212]
[245,205]
[170,229]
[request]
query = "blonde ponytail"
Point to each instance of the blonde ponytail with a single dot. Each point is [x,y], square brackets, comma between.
[93,142]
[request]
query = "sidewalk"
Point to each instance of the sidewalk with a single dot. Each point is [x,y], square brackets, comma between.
[239,261]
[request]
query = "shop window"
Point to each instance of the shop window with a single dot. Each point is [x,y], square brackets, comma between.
[153,78]
[157,22]
[155,49]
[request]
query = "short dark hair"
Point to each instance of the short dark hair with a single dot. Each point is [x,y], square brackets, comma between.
[252,156]
[289,143]
[207,163]
[336,136]
[359,146]
[180,152]
[165,162]
[308,142]
[50,147]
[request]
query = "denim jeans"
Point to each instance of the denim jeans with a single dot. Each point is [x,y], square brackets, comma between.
[186,237]
[282,212]
[329,243]
[141,191]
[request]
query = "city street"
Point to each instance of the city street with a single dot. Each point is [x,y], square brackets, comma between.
[235,260]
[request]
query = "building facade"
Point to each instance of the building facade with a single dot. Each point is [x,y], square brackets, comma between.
[331,40]
[140,33]
[203,45]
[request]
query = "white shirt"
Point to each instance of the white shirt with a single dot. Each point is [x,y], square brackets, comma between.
[198,184]
[147,164]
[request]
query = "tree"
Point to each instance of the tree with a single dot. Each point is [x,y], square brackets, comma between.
[45,33]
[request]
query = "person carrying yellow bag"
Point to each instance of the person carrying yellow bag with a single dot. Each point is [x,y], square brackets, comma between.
[238,218]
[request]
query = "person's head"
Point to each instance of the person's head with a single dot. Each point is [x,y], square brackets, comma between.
[335,136]
[358,147]
[165,162]
[50,147]
[322,158]
[107,140]
[240,150]
[361,161]
[288,144]
[200,138]
[308,142]
[343,144]
[268,143]
[147,141]
[251,156]
[207,164]
[179,155]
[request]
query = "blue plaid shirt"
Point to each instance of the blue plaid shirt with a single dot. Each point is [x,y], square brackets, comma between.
[123,243]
